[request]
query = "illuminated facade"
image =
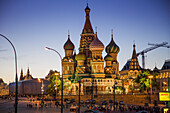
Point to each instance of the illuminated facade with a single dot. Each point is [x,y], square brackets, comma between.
[164,76]
[130,72]
[88,64]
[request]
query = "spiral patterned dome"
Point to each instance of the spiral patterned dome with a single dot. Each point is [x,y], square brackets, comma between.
[80,56]
[96,44]
[69,45]
[108,58]
[112,47]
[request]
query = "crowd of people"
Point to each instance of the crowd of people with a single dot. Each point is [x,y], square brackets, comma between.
[101,107]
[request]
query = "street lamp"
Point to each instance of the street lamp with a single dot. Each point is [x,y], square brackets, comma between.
[55,89]
[16,77]
[150,77]
[79,93]
[47,48]
[114,86]
[42,87]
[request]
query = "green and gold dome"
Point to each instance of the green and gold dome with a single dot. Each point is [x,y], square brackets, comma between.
[80,56]
[69,45]
[112,47]
[108,58]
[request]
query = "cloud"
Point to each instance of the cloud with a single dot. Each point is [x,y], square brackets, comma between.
[2,50]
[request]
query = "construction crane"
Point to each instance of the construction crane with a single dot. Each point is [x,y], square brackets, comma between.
[168,46]
[163,44]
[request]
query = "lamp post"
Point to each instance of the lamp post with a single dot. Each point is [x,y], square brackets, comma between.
[92,94]
[168,103]
[168,91]
[150,77]
[42,89]
[47,48]
[114,86]
[55,90]
[16,76]
[79,94]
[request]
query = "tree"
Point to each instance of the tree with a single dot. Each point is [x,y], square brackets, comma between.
[121,88]
[51,87]
[143,80]
[55,81]
[154,82]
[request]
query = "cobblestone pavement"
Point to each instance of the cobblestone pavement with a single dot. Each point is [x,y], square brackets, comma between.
[8,107]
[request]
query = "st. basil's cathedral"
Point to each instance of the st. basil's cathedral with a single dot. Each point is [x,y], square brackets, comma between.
[88,64]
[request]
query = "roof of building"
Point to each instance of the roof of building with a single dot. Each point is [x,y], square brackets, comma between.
[69,45]
[21,75]
[134,64]
[87,26]
[96,44]
[126,66]
[112,47]
[166,65]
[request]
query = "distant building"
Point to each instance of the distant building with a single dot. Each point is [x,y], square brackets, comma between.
[130,71]
[28,76]
[30,87]
[27,85]
[164,76]
[3,88]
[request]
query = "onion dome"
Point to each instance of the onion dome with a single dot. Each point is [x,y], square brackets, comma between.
[69,45]
[96,44]
[112,47]
[87,9]
[80,56]
[108,58]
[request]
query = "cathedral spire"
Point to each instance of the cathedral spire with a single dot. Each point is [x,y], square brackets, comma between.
[87,27]
[28,71]
[134,56]
[21,75]
[134,65]
[96,32]
[68,33]
[112,34]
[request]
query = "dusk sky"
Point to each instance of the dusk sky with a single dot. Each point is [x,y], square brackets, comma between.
[31,25]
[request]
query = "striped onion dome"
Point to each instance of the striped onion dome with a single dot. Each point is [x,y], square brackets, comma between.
[96,44]
[112,47]
[69,45]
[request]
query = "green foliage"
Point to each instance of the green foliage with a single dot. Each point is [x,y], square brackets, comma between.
[72,77]
[154,82]
[51,86]
[143,80]
[76,79]
[121,88]
[55,81]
